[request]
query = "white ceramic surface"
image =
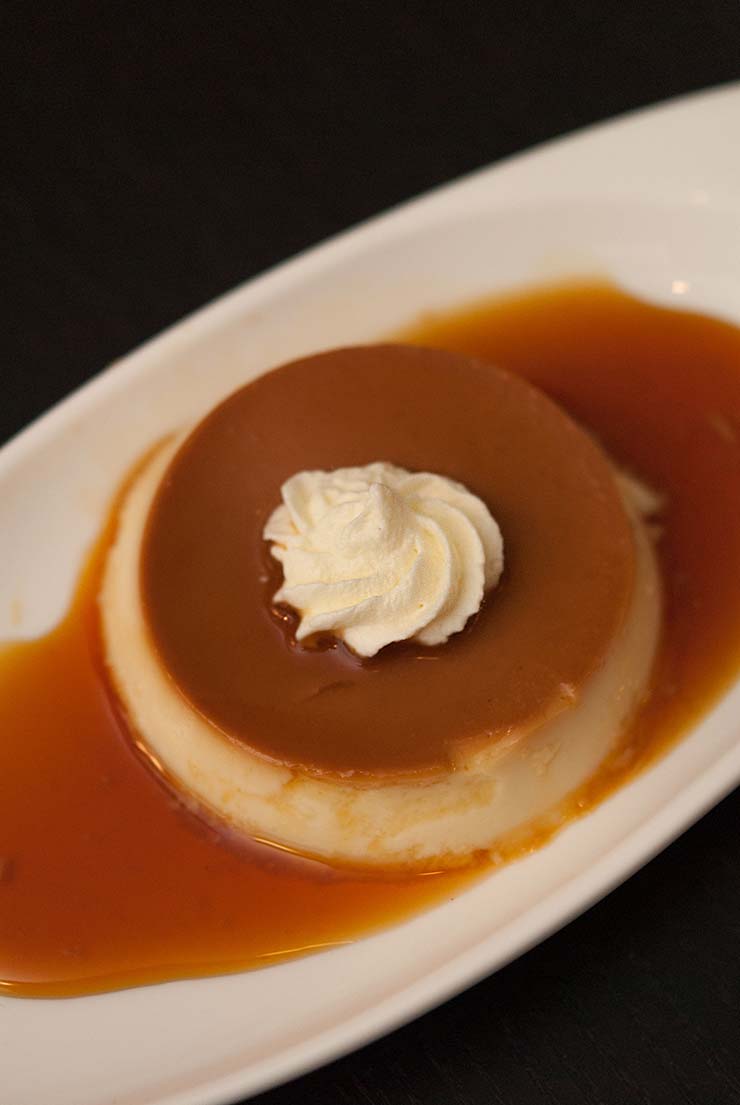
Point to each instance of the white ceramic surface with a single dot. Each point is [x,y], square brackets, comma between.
[652,200]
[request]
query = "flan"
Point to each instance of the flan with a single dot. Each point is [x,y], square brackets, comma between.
[421,755]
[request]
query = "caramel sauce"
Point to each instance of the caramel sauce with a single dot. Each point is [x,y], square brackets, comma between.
[568,552]
[106,880]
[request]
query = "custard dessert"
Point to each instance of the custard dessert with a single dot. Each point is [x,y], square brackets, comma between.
[383,606]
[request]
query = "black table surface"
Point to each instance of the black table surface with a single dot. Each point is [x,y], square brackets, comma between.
[155,155]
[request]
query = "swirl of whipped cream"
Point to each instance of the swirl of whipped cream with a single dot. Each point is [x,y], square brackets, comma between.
[378,554]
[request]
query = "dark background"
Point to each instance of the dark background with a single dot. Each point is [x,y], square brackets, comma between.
[157,155]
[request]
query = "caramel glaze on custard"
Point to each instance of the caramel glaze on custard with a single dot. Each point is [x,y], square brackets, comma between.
[568,577]
[106,880]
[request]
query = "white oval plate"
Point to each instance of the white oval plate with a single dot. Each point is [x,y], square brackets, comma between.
[652,200]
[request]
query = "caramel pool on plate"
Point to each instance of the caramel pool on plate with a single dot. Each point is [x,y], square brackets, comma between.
[107,880]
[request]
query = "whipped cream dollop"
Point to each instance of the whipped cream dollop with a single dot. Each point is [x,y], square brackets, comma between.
[378,554]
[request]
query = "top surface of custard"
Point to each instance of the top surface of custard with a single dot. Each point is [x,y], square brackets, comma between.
[207,577]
